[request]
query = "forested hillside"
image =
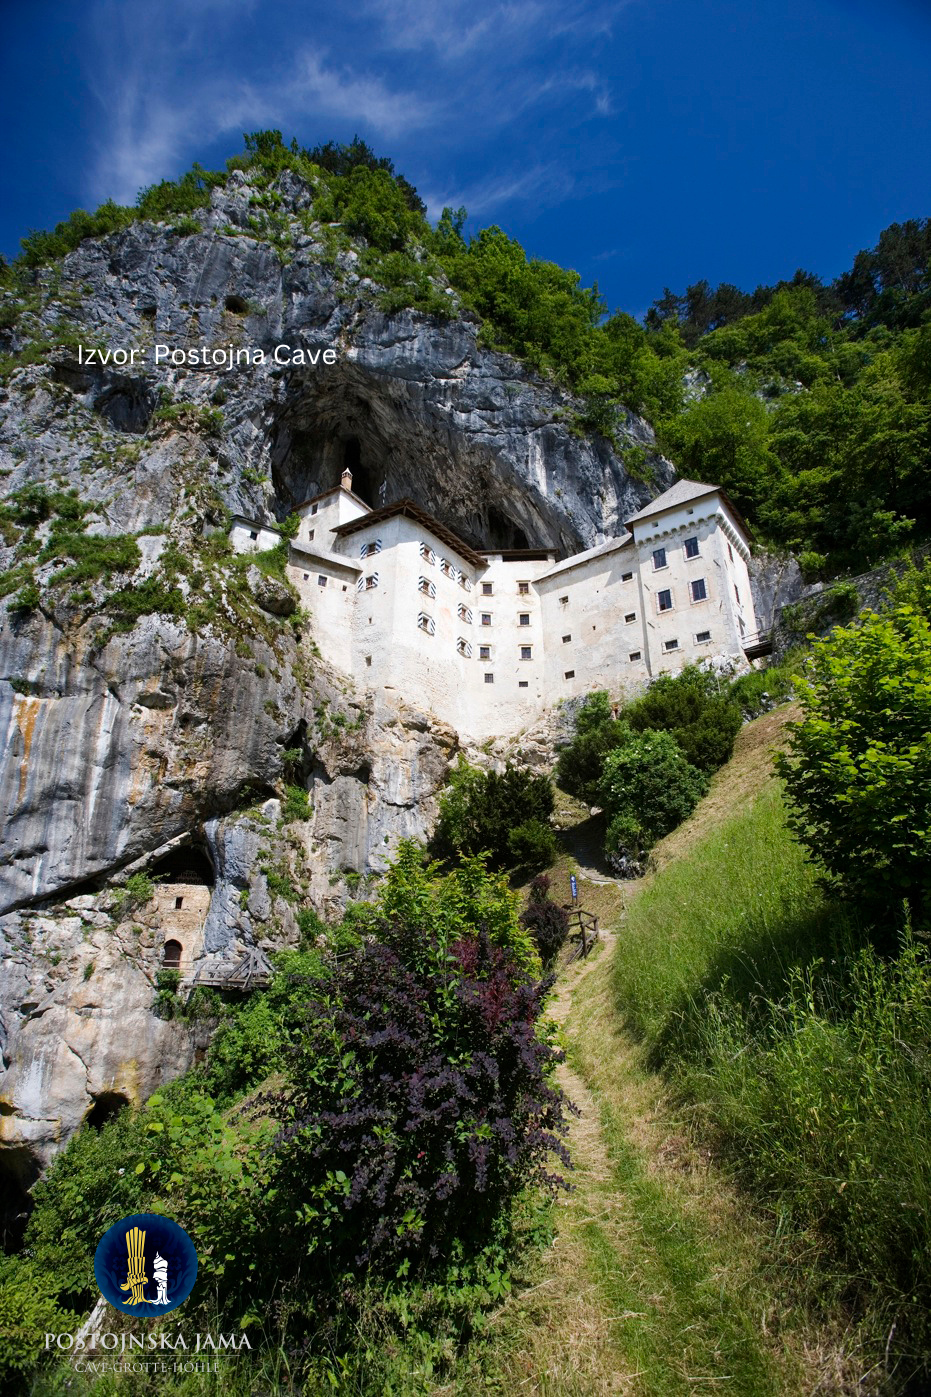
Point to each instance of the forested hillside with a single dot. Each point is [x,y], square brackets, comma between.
[808,402]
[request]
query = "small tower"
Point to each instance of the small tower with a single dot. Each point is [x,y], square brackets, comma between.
[345,480]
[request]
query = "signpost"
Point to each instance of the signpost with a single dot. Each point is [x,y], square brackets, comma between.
[574,888]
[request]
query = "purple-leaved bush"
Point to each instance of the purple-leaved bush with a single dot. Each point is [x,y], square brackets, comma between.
[422,1101]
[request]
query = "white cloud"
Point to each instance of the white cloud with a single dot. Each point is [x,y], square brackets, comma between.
[544,184]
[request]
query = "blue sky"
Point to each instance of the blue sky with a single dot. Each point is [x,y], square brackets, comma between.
[642,142]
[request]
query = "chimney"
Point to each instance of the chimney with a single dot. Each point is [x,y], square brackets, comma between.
[345,480]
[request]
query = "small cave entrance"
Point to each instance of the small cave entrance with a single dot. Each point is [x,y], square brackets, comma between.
[188,865]
[171,955]
[107,1105]
[19,1169]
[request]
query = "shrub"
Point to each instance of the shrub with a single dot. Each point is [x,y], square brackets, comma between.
[648,788]
[421,1103]
[858,766]
[547,922]
[580,764]
[483,811]
[532,845]
[696,707]
[28,1311]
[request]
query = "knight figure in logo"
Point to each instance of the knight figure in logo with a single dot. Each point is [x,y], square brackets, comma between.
[160,1274]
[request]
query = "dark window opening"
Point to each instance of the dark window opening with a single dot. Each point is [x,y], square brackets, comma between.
[691,547]
[699,592]
[569,674]
[179,902]
[664,601]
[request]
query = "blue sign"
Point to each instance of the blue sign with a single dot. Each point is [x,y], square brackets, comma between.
[574,886]
[145,1265]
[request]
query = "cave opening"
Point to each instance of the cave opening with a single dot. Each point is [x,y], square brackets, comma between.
[107,1105]
[19,1169]
[189,864]
[396,447]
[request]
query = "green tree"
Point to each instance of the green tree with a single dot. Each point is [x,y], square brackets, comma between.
[504,814]
[580,764]
[697,708]
[858,765]
[647,789]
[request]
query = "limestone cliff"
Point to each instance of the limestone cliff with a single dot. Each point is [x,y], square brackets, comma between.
[156,695]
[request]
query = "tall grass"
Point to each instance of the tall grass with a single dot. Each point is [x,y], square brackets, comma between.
[805,1052]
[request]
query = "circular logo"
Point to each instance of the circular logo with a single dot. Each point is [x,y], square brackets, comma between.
[145,1265]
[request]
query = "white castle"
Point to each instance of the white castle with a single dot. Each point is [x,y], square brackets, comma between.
[488,639]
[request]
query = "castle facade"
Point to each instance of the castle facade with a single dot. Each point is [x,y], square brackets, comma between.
[487,639]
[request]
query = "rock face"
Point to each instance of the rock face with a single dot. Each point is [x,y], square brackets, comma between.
[160,695]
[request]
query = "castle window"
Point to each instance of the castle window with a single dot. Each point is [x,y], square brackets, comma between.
[487,588]
[367,584]
[306,576]
[313,509]
[369,549]
[736,594]
[171,954]
[489,677]
[670,645]
[569,674]
[310,535]
[526,652]
[631,616]
[566,639]
[179,902]
[426,623]
[486,618]
[428,555]
[465,582]
[368,661]
[626,576]
[484,652]
[691,547]
[522,684]
[634,656]
[426,586]
[523,589]
[321,580]
[703,637]
[699,591]
[664,601]
[563,601]
[523,618]
[449,570]
[253,533]
[464,648]
[464,613]
[659,559]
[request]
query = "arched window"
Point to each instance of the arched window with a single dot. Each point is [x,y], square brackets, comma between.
[171,955]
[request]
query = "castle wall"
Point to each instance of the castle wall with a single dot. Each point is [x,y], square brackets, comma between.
[487,646]
[593,626]
[681,627]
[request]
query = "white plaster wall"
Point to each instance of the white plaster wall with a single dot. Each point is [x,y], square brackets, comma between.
[331,603]
[709,521]
[243,542]
[589,603]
